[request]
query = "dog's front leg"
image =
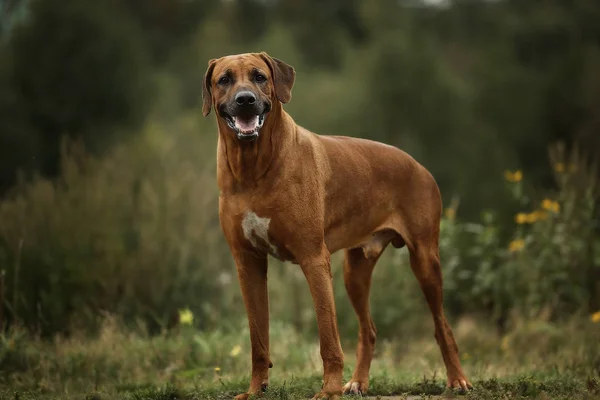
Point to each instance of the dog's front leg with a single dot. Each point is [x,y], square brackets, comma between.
[318,274]
[252,275]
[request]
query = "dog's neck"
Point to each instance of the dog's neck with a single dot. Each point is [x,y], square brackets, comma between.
[242,164]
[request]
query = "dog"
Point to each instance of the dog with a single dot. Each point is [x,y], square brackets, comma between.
[299,197]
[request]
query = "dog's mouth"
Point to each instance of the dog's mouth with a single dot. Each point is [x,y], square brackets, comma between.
[246,128]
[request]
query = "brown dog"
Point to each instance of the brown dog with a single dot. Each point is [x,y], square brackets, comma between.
[300,197]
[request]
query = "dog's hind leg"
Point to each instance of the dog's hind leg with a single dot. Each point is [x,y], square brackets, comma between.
[425,263]
[358,269]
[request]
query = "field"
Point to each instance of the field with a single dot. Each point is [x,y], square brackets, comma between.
[116,281]
[536,360]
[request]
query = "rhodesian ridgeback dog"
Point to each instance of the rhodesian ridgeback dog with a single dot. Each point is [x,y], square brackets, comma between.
[299,197]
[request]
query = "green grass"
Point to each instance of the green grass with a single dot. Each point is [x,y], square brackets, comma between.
[525,386]
[538,360]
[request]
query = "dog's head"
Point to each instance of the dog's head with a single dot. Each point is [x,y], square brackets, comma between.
[243,89]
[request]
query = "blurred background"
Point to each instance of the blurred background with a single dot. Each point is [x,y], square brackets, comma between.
[108,197]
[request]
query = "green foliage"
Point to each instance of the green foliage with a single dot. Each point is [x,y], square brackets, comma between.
[74,92]
[539,262]
[83,81]
[165,23]
[18,140]
[119,234]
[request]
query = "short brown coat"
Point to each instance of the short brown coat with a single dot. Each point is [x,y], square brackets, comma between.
[321,194]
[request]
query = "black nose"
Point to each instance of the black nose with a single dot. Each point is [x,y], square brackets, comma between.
[245,97]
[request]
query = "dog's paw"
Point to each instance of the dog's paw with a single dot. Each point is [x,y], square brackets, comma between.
[356,387]
[327,396]
[460,383]
[245,396]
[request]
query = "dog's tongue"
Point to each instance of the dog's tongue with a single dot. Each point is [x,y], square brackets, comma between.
[246,125]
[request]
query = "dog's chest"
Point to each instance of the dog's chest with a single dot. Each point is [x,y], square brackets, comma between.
[258,231]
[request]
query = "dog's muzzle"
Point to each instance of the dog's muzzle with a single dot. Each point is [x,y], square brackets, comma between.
[246,128]
[245,115]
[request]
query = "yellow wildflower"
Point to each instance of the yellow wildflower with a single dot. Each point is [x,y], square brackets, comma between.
[450,213]
[531,217]
[237,349]
[217,369]
[550,205]
[595,317]
[186,317]
[521,218]
[547,204]
[559,167]
[516,176]
[516,245]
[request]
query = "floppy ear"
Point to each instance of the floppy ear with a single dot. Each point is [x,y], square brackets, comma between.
[206,84]
[283,77]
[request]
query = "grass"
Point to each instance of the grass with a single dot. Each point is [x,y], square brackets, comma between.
[544,386]
[538,359]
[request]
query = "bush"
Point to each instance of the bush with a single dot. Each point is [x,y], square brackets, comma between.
[135,233]
[550,265]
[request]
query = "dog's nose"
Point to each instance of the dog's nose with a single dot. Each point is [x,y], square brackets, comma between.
[245,97]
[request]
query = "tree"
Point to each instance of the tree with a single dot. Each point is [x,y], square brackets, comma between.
[82,81]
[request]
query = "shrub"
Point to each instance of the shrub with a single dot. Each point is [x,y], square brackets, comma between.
[550,265]
[135,233]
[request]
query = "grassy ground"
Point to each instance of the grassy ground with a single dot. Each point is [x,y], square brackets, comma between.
[535,360]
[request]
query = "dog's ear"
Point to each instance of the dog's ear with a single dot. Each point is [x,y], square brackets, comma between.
[206,84]
[283,77]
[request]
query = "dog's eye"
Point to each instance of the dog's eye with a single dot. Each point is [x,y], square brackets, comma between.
[224,80]
[260,78]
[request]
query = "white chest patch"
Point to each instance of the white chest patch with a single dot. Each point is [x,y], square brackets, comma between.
[255,226]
